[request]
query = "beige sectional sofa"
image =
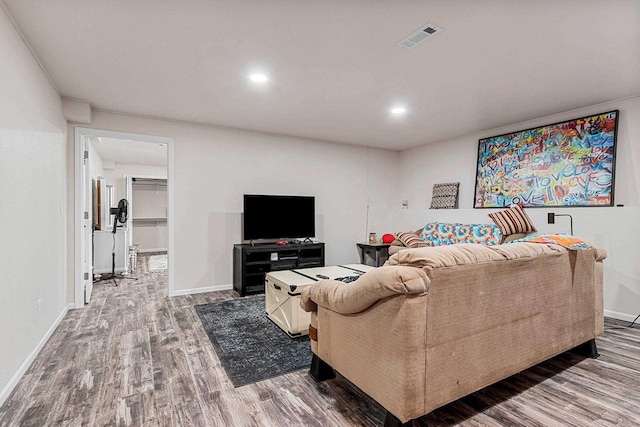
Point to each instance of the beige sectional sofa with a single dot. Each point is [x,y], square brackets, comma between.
[437,323]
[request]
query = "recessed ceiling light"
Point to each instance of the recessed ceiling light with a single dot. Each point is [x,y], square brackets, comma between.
[258,78]
[398,110]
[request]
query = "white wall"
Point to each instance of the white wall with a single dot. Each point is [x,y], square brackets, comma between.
[614,228]
[32,195]
[116,176]
[214,167]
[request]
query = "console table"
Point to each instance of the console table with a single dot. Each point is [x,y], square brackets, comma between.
[378,252]
[251,263]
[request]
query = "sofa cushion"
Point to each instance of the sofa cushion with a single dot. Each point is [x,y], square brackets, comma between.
[359,295]
[513,220]
[437,233]
[410,239]
[394,249]
[468,254]
[511,237]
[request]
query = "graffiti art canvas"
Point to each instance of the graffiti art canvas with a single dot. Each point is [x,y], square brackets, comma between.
[563,164]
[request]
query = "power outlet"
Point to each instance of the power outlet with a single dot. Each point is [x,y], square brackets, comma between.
[39,306]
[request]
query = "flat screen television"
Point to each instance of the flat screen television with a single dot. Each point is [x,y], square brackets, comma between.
[278,217]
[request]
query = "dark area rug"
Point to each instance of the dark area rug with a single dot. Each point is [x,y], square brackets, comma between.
[250,346]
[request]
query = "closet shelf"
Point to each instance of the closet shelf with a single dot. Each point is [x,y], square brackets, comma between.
[148,181]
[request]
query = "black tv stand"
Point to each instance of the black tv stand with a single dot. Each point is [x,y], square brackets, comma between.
[251,262]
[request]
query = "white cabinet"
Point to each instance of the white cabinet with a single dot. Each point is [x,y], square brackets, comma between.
[103,244]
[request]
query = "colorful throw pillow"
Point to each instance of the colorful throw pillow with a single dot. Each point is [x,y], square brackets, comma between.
[513,220]
[437,234]
[410,239]
[566,240]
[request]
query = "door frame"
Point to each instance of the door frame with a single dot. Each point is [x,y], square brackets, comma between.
[80,134]
[86,198]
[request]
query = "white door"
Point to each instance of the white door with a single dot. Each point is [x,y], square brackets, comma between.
[87,224]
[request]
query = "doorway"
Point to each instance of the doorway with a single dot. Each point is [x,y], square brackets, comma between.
[108,163]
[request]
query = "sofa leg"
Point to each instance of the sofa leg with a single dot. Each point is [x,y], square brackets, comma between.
[319,370]
[393,421]
[587,349]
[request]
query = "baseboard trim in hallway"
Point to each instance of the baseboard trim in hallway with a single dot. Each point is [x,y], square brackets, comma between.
[17,376]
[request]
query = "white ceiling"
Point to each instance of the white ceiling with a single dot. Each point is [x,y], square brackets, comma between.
[334,65]
[130,152]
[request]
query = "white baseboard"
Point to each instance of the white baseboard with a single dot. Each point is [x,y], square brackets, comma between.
[620,316]
[17,376]
[215,288]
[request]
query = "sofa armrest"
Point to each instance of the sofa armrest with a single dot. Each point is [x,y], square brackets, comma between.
[600,255]
[382,350]
[371,287]
[394,249]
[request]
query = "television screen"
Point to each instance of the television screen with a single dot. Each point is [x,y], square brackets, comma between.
[278,217]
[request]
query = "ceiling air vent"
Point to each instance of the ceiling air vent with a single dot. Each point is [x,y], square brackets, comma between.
[414,39]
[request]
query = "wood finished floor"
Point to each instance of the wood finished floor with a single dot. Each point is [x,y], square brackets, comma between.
[135,357]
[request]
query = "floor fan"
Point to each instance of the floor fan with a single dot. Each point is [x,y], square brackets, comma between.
[121,214]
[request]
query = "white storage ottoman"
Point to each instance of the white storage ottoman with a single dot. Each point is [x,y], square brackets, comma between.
[283,290]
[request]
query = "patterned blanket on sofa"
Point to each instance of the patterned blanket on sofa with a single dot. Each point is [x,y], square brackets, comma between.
[566,240]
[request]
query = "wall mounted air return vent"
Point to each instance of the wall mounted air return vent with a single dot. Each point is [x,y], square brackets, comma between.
[424,33]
